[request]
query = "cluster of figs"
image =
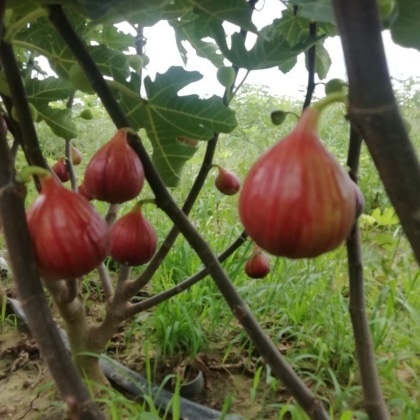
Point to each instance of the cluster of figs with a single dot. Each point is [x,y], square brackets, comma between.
[297,201]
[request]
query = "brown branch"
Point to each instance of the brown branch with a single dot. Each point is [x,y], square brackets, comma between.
[69,166]
[311,57]
[374,112]
[32,297]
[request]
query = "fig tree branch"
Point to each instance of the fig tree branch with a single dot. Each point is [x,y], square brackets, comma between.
[266,348]
[184,285]
[32,297]
[311,57]
[373,398]
[374,112]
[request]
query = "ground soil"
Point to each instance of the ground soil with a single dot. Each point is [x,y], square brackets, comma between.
[28,392]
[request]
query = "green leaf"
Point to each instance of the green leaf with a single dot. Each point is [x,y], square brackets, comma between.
[113,38]
[167,116]
[48,90]
[319,10]
[271,48]
[405,27]
[190,29]
[294,27]
[288,65]
[322,61]
[59,120]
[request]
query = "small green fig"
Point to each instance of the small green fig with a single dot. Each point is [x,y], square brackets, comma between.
[278,117]
[79,80]
[86,114]
[385,7]
[226,76]
[335,86]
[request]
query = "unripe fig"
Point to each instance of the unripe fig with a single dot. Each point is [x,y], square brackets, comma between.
[115,173]
[76,156]
[79,80]
[32,109]
[257,266]
[86,114]
[335,85]
[133,239]
[227,182]
[278,117]
[297,201]
[385,7]
[69,237]
[226,76]
[60,169]
[136,62]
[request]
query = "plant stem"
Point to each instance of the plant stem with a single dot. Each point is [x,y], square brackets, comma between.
[311,57]
[184,285]
[32,297]
[70,167]
[374,111]
[164,200]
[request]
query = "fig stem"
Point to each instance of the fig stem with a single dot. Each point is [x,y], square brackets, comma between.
[145,201]
[330,99]
[25,174]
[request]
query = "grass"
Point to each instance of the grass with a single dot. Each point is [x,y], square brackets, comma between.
[302,305]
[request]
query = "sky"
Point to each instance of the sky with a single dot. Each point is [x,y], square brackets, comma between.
[162,51]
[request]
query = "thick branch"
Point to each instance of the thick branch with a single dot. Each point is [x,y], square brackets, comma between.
[374,112]
[32,298]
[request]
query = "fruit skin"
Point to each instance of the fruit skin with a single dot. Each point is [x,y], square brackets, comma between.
[84,192]
[335,86]
[69,237]
[226,76]
[133,239]
[257,266]
[60,169]
[76,156]
[227,182]
[115,173]
[385,7]
[297,201]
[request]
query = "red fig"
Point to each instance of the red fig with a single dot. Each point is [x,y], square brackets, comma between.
[60,169]
[76,156]
[133,239]
[69,237]
[257,266]
[297,201]
[227,182]
[84,192]
[115,173]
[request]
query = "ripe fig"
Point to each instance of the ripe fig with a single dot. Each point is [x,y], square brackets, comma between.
[84,192]
[76,156]
[60,169]
[297,201]
[133,239]
[69,237]
[115,173]
[257,266]
[226,76]
[227,182]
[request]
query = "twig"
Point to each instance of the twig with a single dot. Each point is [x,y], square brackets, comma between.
[164,200]
[105,281]
[112,214]
[70,167]
[373,399]
[311,57]
[374,111]
[184,285]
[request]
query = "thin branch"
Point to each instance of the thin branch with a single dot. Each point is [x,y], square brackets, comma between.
[184,285]
[69,166]
[112,214]
[311,57]
[164,200]
[374,112]
[105,281]
[373,398]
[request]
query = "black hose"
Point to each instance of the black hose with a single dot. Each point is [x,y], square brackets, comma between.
[136,384]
